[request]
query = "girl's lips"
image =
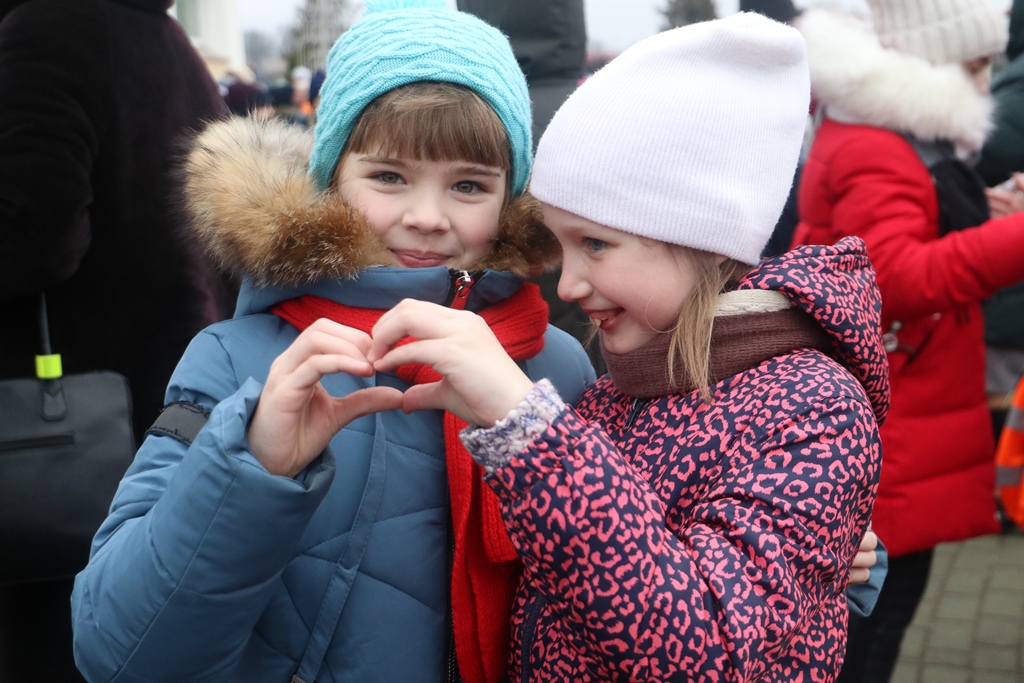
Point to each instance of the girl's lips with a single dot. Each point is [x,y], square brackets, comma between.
[420,259]
[605,319]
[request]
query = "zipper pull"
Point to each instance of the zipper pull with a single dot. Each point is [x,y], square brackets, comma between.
[462,285]
[638,404]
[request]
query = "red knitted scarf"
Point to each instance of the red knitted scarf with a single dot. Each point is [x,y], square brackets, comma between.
[485,566]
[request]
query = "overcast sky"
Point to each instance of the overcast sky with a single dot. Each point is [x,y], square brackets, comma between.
[611,24]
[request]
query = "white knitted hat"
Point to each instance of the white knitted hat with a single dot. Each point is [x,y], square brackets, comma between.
[690,136]
[940,31]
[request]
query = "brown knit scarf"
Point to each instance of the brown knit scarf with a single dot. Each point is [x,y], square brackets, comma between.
[738,342]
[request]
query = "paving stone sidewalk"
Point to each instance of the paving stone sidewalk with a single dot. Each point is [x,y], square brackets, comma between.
[969,627]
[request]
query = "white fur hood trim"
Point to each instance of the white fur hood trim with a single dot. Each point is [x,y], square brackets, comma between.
[859,81]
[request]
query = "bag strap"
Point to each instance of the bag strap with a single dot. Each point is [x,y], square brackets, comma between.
[181,420]
[49,370]
[48,363]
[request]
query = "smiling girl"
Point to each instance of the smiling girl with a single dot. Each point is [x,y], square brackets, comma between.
[271,528]
[692,516]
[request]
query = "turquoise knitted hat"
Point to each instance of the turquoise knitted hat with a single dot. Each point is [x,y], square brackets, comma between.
[407,41]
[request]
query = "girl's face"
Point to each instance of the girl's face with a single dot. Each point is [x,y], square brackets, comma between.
[980,72]
[632,288]
[427,213]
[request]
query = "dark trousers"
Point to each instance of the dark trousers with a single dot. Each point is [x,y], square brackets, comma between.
[35,633]
[874,643]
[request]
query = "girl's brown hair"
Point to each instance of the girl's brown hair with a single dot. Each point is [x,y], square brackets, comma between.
[691,336]
[432,121]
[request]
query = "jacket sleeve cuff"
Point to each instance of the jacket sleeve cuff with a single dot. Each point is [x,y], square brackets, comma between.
[495,446]
[862,597]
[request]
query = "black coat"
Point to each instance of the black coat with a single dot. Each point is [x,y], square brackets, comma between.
[1003,153]
[95,98]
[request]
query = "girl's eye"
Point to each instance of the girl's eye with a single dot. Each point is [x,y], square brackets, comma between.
[594,244]
[388,177]
[467,187]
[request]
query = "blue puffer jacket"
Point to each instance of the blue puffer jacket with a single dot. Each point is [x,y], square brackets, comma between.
[210,569]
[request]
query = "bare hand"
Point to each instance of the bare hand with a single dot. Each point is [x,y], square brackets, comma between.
[1002,201]
[480,384]
[296,418]
[860,570]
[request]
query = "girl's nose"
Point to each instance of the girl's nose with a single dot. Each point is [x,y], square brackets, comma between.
[426,213]
[571,285]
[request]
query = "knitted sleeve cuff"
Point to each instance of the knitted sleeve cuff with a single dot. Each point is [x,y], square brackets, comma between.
[494,447]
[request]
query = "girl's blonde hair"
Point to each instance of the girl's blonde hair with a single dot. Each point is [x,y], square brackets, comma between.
[432,121]
[691,336]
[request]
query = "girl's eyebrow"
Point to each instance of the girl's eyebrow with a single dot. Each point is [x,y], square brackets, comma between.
[392,161]
[589,231]
[479,170]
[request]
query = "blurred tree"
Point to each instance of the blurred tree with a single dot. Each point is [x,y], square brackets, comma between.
[320,24]
[259,47]
[682,12]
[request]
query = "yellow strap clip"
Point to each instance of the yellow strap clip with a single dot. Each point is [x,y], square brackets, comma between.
[49,367]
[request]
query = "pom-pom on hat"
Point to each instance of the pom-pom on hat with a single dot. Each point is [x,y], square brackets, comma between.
[399,42]
[690,137]
[940,31]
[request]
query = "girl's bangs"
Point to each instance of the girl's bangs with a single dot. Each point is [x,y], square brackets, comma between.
[435,122]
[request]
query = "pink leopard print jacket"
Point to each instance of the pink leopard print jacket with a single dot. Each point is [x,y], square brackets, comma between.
[669,539]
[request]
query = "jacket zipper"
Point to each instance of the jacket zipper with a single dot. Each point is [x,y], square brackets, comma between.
[529,634]
[638,404]
[458,293]
[451,673]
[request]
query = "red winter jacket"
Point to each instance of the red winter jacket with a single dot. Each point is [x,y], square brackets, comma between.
[938,473]
[863,179]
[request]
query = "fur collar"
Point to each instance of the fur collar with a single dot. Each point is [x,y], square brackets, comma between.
[859,81]
[254,208]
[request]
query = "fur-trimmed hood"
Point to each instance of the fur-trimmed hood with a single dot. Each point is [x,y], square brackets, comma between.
[859,81]
[257,212]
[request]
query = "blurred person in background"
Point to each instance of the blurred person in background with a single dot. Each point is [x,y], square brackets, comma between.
[905,102]
[299,110]
[315,83]
[549,38]
[1003,152]
[782,11]
[95,98]
[244,99]
[1002,158]
[292,100]
[243,94]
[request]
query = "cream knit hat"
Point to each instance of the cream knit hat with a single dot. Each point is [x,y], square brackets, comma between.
[690,136]
[940,31]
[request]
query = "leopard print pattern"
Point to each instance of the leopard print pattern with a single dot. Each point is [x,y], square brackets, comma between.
[673,539]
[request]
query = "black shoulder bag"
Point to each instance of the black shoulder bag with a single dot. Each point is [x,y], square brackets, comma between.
[65,443]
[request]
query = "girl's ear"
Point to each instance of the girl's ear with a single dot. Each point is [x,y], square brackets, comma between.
[720,259]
